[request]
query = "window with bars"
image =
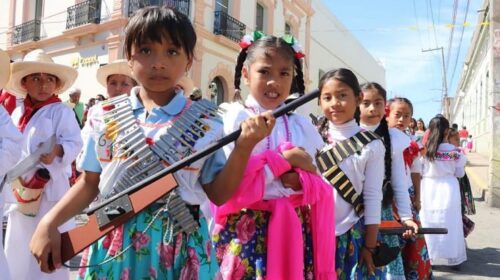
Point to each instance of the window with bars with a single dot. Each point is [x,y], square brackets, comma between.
[259,18]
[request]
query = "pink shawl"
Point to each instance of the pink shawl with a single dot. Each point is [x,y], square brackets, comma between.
[285,244]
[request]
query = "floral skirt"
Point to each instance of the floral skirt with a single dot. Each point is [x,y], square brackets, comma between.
[241,246]
[395,269]
[348,252]
[415,255]
[153,254]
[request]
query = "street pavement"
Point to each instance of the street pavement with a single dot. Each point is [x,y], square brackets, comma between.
[483,244]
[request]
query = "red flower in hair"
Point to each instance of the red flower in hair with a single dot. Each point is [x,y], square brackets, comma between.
[387,111]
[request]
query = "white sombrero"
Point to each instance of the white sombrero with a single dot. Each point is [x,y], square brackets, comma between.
[117,67]
[4,68]
[37,61]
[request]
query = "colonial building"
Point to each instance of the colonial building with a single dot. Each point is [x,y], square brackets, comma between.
[478,92]
[88,34]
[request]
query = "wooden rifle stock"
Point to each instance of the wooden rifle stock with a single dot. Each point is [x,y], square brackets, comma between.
[149,190]
[396,228]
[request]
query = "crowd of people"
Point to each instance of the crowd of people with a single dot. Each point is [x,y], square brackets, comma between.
[289,199]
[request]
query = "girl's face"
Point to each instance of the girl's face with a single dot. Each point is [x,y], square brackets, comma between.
[420,125]
[454,139]
[118,84]
[159,66]
[338,101]
[269,78]
[400,115]
[413,124]
[40,86]
[372,107]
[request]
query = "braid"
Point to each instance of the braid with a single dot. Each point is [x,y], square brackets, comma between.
[239,66]
[323,130]
[299,76]
[383,131]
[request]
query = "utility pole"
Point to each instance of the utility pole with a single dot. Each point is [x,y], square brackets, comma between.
[444,102]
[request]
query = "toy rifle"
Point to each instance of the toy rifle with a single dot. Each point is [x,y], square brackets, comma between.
[117,209]
[396,228]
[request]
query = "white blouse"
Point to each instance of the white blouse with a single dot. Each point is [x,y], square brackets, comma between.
[364,172]
[443,168]
[293,128]
[399,178]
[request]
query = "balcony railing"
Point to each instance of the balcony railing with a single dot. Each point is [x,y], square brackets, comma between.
[228,26]
[28,31]
[179,5]
[82,13]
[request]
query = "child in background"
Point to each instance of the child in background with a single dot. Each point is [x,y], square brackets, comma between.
[470,143]
[159,46]
[41,117]
[10,151]
[415,257]
[280,188]
[441,207]
[373,118]
[356,231]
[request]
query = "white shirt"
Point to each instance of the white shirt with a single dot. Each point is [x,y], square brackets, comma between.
[301,133]
[443,168]
[399,178]
[364,172]
[53,119]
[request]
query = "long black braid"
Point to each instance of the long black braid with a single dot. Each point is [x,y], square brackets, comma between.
[383,131]
[247,55]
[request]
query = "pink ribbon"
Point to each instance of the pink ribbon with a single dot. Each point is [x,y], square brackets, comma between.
[285,245]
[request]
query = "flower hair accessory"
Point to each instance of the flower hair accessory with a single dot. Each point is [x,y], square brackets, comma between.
[294,44]
[248,39]
[387,110]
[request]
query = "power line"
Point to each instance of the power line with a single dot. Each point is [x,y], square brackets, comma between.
[433,23]
[460,42]
[452,33]
[416,21]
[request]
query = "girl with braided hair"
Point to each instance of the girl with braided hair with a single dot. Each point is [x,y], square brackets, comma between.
[279,223]
[356,231]
[395,188]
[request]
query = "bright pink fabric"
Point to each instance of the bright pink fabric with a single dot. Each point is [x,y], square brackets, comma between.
[284,241]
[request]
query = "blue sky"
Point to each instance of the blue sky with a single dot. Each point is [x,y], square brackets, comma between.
[396,31]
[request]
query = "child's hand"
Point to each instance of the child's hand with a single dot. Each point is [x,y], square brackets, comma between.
[254,129]
[298,158]
[48,158]
[410,233]
[45,246]
[291,180]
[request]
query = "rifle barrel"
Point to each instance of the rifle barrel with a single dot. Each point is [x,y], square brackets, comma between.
[205,152]
[401,230]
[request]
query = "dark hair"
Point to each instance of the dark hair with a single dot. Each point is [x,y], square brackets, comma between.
[248,56]
[347,77]
[437,131]
[454,126]
[402,100]
[159,23]
[423,123]
[383,131]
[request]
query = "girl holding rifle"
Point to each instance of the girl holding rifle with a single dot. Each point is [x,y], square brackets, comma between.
[280,187]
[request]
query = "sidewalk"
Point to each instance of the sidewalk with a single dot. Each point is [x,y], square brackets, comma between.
[483,244]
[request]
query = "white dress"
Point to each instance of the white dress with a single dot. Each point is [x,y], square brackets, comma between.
[10,150]
[51,119]
[441,205]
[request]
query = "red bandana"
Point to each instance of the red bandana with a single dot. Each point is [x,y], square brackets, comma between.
[30,109]
[411,153]
[8,101]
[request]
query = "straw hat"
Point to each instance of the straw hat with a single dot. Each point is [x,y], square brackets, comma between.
[4,68]
[117,67]
[186,84]
[37,61]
